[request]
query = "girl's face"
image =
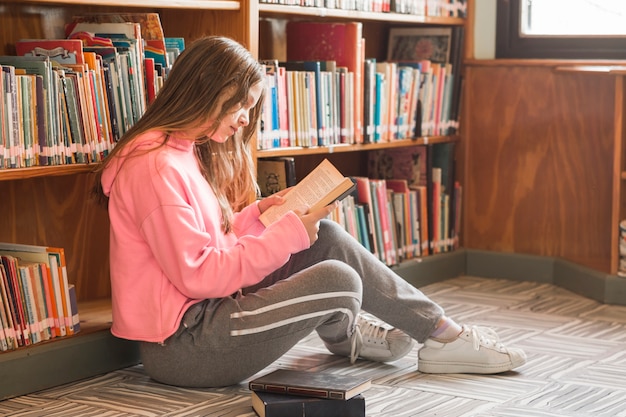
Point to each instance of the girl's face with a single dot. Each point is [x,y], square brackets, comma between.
[237,117]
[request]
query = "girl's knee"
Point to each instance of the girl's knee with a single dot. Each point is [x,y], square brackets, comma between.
[339,275]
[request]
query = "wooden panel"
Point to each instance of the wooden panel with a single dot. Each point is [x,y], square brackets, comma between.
[47,21]
[539,158]
[59,211]
[192,24]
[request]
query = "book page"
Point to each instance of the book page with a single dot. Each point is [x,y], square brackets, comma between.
[319,188]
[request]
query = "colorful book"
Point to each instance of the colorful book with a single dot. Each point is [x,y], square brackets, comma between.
[55,258]
[311,384]
[331,41]
[364,198]
[267,404]
[62,51]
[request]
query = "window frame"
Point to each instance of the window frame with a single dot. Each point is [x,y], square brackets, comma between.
[509,43]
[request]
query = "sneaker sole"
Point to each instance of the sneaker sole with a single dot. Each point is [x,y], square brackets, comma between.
[428,367]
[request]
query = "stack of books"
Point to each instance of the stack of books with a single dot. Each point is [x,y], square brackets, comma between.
[288,393]
[37,302]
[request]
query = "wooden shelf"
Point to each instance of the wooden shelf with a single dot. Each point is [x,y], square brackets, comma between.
[44,171]
[166,4]
[322,12]
[594,69]
[316,150]
[95,316]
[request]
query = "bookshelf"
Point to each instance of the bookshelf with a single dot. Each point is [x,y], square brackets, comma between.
[557,186]
[51,205]
[616,73]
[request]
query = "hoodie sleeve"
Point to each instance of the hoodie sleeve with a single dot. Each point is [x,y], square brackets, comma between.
[199,268]
[246,222]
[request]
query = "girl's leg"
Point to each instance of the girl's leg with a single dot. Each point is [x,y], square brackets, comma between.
[385,294]
[393,300]
[224,341]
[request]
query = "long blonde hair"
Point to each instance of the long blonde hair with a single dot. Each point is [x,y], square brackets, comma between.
[209,68]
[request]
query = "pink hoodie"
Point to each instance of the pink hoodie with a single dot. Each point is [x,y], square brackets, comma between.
[167,249]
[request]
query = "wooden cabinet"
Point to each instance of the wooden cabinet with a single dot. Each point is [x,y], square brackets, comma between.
[545,160]
[52,205]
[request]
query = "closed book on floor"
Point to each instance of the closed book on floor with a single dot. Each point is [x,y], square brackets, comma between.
[311,384]
[267,404]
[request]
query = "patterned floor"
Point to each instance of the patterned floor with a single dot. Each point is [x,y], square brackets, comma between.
[576,366]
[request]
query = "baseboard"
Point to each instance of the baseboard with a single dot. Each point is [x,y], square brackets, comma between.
[62,361]
[423,271]
[602,287]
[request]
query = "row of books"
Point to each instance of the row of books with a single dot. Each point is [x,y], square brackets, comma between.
[37,301]
[70,100]
[72,107]
[439,8]
[289,393]
[408,206]
[328,93]
[315,108]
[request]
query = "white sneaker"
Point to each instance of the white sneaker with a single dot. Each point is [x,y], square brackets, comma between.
[477,350]
[375,341]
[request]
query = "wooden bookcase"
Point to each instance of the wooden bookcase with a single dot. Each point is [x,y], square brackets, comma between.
[545,159]
[52,205]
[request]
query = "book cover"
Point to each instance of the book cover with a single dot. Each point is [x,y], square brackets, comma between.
[369,99]
[7,311]
[408,163]
[58,269]
[311,384]
[382,220]
[424,219]
[269,136]
[318,189]
[275,174]
[4,121]
[331,41]
[22,328]
[364,197]
[416,44]
[74,308]
[443,159]
[29,304]
[314,67]
[36,65]
[63,51]
[267,404]
[406,224]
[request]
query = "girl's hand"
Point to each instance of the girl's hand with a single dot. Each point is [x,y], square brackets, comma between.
[311,220]
[274,199]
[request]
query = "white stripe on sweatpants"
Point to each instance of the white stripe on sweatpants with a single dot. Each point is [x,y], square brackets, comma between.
[290,320]
[297,300]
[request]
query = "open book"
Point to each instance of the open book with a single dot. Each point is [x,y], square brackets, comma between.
[319,188]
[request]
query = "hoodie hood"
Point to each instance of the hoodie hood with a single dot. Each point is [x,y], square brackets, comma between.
[142,143]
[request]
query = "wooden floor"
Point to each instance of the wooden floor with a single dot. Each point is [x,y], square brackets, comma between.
[576,366]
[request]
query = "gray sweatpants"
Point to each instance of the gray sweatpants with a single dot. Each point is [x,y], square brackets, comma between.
[224,341]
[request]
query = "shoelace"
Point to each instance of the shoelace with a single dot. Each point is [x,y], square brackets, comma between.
[356,343]
[484,336]
[375,333]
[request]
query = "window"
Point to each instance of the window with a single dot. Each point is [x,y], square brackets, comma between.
[561,29]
